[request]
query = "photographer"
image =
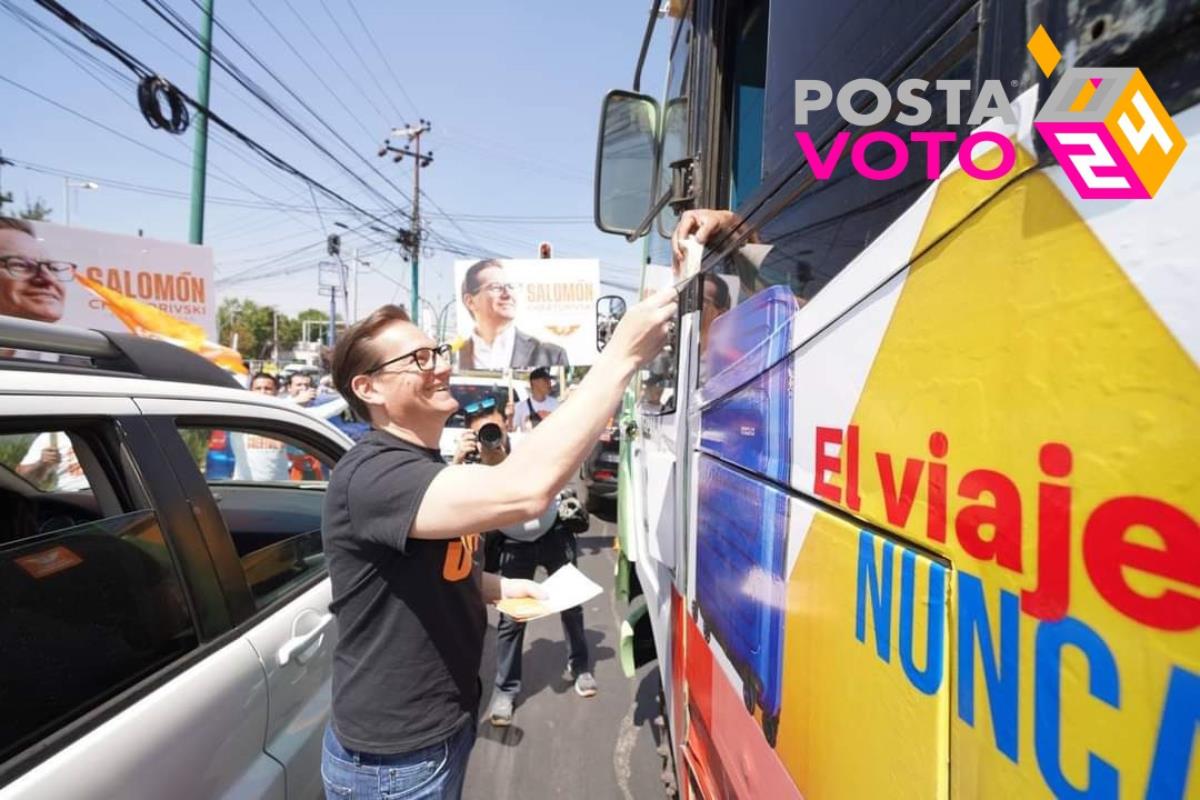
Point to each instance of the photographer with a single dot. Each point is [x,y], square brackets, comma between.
[400,528]
[548,541]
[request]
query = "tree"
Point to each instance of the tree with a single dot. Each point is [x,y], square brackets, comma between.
[255,327]
[36,211]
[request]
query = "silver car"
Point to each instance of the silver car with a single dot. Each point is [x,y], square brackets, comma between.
[165,599]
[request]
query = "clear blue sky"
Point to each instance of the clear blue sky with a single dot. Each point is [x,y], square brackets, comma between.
[513,90]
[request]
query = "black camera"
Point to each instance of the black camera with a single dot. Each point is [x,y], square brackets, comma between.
[490,437]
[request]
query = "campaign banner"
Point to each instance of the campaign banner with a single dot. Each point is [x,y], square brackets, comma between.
[173,277]
[526,313]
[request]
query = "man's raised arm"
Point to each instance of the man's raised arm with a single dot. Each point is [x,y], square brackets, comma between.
[470,498]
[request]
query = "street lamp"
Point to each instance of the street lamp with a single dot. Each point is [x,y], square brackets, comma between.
[68,185]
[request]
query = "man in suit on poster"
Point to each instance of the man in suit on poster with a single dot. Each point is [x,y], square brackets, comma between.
[495,343]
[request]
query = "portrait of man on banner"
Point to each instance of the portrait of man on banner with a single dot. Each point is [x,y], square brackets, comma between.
[31,285]
[495,341]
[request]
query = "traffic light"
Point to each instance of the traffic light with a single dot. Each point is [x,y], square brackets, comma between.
[333,244]
[545,250]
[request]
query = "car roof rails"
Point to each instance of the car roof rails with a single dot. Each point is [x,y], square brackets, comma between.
[78,349]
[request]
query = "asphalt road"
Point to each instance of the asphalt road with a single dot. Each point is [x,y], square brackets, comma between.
[560,744]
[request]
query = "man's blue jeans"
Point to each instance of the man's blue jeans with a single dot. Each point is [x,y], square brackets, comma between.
[433,773]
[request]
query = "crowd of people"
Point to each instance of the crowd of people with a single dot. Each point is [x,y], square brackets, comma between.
[404,532]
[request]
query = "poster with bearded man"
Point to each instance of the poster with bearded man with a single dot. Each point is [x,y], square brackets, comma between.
[527,313]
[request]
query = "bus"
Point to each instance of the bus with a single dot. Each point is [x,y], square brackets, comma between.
[909,506]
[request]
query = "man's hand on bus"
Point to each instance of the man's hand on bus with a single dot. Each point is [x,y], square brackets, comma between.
[709,225]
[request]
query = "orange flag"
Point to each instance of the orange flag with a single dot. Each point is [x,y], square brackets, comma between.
[154,323]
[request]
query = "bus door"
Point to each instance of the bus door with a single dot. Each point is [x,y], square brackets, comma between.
[660,451]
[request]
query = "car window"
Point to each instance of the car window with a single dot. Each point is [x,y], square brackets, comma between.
[269,489]
[90,596]
[45,459]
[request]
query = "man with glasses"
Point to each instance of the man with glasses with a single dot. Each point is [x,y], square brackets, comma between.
[31,285]
[400,528]
[496,343]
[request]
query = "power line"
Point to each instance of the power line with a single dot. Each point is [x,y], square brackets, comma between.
[181,26]
[321,43]
[366,67]
[383,59]
[143,72]
[49,36]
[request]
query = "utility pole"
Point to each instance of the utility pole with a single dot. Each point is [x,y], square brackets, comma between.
[4,198]
[275,338]
[329,276]
[413,240]
[200,153]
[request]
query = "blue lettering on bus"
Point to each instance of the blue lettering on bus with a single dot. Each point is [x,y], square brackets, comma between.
[1176,736]
[1002,677]
[928,680]
[1103,779]
[1179,726]
[881,594]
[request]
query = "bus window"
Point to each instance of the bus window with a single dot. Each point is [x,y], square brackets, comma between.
[837,43]
[674,142]
[746,87]
[809,239]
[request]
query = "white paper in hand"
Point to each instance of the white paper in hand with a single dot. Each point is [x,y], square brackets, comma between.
[564,589]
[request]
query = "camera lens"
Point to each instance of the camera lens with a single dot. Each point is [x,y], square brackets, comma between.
[490,436]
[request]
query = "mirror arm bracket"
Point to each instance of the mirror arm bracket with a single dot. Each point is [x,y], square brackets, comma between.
[681,196]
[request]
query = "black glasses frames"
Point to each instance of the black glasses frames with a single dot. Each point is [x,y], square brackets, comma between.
[425,358]
[24,268]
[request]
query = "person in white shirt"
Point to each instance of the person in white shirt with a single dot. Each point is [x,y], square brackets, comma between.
[538,405]
[496,343]
[520,548]
[51,463]
[255,457]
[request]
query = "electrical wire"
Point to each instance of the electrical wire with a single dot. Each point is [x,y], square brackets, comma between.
[134,65]
[366,67]
[181,26]
[383,59]
[321,44]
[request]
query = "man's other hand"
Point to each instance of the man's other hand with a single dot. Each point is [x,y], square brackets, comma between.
[50,457]
[709,224]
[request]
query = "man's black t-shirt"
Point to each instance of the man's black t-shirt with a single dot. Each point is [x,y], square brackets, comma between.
[410,613]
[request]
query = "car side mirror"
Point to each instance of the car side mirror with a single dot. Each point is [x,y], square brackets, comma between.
[609,310]
[625,161]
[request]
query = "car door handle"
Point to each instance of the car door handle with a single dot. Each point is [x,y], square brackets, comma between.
[302,647]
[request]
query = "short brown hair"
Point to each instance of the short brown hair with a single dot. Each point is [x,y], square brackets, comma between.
[21,225]
[470,284]
[353,354]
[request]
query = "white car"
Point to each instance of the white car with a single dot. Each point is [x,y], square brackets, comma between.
[164,635]
[470,387]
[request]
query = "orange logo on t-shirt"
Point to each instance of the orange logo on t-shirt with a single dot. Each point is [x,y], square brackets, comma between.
[459,557]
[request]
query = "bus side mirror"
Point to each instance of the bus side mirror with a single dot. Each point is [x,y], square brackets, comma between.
[625,161]
[609,310]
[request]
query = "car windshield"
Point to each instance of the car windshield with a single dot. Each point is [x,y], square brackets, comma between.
[466,394]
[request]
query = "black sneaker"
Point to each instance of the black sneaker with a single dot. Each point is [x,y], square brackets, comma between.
[501,711]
